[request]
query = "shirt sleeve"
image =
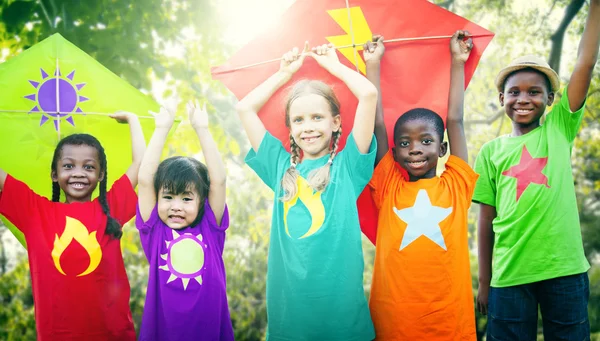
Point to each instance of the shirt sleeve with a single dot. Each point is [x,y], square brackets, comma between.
[360,166]
[385,175]
[122,200]
[563,119]
[18,203]
[269,161]
[485,187]
[461,176]
[212,220]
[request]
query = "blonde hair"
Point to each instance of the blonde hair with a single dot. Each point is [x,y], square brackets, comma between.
[318,179]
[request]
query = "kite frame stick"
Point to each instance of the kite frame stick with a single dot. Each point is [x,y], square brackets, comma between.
[395,40]
[73,113]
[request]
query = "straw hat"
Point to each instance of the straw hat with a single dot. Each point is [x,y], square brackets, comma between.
[525,62]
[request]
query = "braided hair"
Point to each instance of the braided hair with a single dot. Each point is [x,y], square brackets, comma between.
[318,179]
[113,228]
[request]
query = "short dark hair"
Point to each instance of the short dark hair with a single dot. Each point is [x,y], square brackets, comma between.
[176,174]
[530,69]
[421,114]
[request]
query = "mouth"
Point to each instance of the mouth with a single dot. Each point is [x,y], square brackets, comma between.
[523,111]
[416,164]
[78,185]
[177,219]
[310,139]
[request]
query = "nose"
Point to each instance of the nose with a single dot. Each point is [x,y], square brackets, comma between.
[523,97]
[415,149]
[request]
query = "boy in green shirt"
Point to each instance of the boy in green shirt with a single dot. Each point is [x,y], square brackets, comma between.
[529,220]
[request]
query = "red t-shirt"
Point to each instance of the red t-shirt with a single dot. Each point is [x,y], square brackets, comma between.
[80,287]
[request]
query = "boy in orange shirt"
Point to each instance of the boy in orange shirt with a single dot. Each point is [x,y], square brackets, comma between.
[421,287]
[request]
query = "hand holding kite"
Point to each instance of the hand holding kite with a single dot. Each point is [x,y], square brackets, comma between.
[163,119]
[292,60]
[123,116]
[461,45]
[374,50]
[326,56]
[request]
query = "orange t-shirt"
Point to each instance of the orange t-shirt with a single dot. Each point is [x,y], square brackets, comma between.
[421,287]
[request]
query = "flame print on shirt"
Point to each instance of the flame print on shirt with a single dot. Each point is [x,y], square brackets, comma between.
[313,203]
[185,258]
[75,230]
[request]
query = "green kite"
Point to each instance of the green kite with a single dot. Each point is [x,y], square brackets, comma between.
[52,90]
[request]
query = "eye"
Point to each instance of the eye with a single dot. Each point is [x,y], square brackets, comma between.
[188,199]
[297,120]
[534,92]
[89,167]
[318,117]
[67,166]
[513,92]
[403,144]
[167,197]
[427,141]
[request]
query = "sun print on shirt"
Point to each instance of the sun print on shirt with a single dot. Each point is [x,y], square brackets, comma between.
[184,258]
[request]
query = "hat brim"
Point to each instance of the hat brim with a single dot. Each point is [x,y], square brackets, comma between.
[551,74]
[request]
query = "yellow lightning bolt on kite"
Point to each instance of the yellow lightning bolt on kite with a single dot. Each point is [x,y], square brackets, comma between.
[361,30]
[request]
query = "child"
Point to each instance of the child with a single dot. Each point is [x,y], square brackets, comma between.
[182,218]
[315,266]
[528,208]
[80,287]
[421,287]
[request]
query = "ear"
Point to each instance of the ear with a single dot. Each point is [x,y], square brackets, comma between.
[550,98]
[443,148]
[101,176]
[501,98]
[337,123]
[54,176]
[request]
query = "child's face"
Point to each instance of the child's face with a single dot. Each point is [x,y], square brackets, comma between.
[417,148]
[178,210]
[312,125]
[525,97]
[78,172]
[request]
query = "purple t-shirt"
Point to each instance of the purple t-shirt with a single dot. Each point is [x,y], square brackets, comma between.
[186,297]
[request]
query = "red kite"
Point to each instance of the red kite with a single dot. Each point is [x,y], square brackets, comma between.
[415,70]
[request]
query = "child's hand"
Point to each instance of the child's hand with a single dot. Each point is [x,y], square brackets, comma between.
[292,60]
[163,119]
[461,45]
[198,117]
[325,55]
[123,116]
[373,50]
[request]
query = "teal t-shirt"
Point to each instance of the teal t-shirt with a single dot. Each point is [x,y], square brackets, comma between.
[315,267]
[529,180]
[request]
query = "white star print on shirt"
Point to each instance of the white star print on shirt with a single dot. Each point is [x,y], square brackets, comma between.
[422,219]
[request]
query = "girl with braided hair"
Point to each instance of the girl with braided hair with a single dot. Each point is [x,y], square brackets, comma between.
[80,288]
[315,265]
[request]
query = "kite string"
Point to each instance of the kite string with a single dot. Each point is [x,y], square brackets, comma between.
[353,45]
[57,73]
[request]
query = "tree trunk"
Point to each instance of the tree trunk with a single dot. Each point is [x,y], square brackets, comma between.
[559,35]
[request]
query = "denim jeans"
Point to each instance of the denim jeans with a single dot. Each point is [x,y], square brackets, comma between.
[563,301]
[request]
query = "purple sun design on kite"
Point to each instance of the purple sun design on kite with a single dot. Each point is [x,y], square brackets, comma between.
[56,97]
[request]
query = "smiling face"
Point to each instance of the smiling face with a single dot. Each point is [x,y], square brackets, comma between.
[78,172]
[178,210]
[312,124]
[418,146]
[525,98]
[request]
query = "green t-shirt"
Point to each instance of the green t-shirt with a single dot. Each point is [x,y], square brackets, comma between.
[315,266]
[529,180]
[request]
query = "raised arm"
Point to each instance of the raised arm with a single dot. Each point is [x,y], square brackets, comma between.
[361,87]
[460,51]
[373,52]
[146,194]
[214,163]
[586,58]
[138,144]
[485,241]
[249,106]
[2,179]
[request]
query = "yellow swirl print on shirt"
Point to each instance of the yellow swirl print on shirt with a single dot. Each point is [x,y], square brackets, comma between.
[313,203]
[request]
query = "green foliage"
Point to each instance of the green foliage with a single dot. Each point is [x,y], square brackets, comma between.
[17,320]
